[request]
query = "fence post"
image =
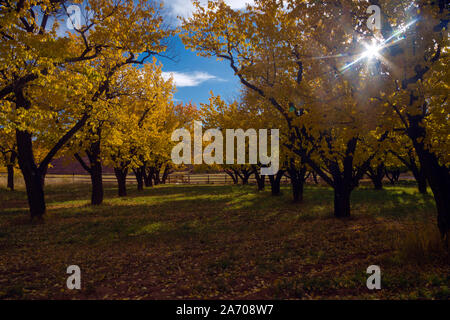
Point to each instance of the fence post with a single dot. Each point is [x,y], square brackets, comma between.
[208,178]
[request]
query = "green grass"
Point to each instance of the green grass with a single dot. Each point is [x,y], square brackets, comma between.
[229,242]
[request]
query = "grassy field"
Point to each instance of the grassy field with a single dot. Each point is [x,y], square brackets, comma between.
[230,242]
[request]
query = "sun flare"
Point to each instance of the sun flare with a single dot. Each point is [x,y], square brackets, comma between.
[372,51]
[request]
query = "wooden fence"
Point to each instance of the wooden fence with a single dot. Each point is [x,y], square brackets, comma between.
[175,178]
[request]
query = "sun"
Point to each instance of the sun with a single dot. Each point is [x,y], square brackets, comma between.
[372,51]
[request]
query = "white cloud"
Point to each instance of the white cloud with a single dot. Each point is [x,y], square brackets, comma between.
[189,79]
[184,7]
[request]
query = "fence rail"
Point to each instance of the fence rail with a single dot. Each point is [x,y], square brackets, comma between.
[174,178]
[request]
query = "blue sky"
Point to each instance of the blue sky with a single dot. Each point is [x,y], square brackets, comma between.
[196,76]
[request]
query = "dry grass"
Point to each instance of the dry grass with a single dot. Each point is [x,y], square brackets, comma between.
[423,245]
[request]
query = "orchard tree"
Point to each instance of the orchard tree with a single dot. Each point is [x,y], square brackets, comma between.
[144,89]
[416,82]
[141,114]
[158,164]
[285,52]
[218,114]
[291,165]
[36,55]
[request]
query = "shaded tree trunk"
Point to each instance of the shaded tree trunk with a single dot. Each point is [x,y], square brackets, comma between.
[139,174]
[297,191]
[342,201]
[148,177]
[147,181]
[10,169]
[275,183]
[422,183]
[121,176]
[32,174]
[95,171]
[245,175]
[342,180]
[344,183]
[420,177]
[377,176]
[260,180]
[156,176]
[97,184]
[167,171]
[393,176]
[438,176]
[233,175]
[298,178]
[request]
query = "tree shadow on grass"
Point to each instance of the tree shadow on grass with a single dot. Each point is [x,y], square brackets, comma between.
[206,207]
[198,233]
[392,201]
[182,211]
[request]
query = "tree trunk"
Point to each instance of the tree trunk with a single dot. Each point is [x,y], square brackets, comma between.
[97,184]
[422,183]
[10,169]
[377,176]
[156,176]
[297,190]
[260,180]
[341,202]
[439,180]
[148,177]
[165,174]
[346,180]
[245,176]
[121,176]
[34,178]
[139,174]
[95,171]
[392,175]
[298,178]
[377,182]
[147,181]
[261,183]
[275,183]
[233,176]
[438,176]
[420,177]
